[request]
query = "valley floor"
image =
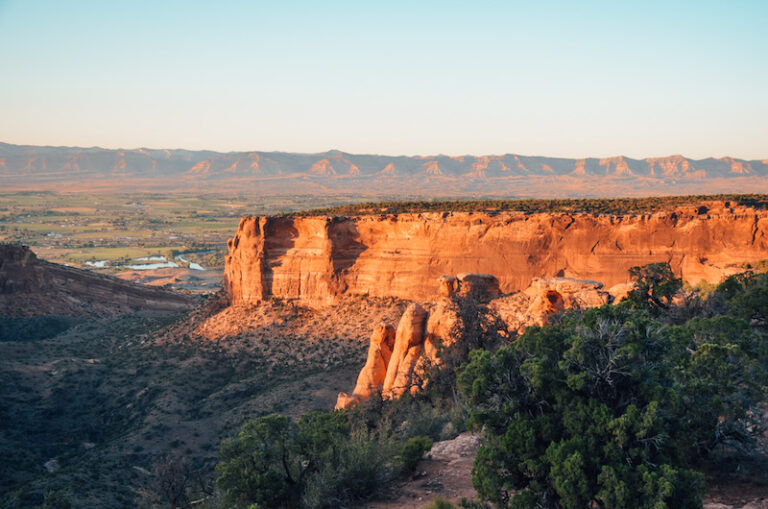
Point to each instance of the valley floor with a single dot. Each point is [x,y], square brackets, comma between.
[92,410]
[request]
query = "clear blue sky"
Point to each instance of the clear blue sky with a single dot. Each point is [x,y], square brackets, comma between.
[573,79]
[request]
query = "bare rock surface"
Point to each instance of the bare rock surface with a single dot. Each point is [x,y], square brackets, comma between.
[372,376]
[423,331]
[546,297]
[463,446]
[317,259]
[409,343]
[445,471]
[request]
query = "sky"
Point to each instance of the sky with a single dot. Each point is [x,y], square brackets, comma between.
[552,78]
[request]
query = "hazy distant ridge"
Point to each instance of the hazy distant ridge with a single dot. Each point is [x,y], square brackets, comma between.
[33,167]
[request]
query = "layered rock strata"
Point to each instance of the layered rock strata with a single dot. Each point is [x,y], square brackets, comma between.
[32,287]
[314,260]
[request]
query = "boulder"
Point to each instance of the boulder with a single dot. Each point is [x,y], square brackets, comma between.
[483,287]
[463,446]
[344,401]
[620,292]
[447,286]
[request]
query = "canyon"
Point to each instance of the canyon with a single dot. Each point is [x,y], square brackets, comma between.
[290,331]
[315,260]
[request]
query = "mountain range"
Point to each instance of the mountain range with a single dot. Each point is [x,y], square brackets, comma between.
[24,167]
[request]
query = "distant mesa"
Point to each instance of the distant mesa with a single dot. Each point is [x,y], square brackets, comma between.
[332,172]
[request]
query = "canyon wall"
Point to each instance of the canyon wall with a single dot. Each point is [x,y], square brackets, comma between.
[33,287]
[316,259]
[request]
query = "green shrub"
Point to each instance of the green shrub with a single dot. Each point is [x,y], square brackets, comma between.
[317,462]
[441,503]
[413,450]
[613,407]
[654,286]
[616,206]
[580,414]
[261,464]
[56,500]
[34,328]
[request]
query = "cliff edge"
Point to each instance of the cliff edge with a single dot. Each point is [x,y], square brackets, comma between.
[314,260]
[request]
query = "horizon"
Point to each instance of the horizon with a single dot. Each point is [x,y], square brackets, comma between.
[421,156]
[560,79]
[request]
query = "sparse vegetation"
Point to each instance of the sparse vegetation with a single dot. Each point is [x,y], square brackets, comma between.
[617,407]
[602,407]
[617,206]
[109,399]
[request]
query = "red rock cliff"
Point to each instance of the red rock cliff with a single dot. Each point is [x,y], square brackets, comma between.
[315,259]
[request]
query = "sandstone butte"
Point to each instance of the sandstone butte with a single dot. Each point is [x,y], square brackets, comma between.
[525,266]
[315,260]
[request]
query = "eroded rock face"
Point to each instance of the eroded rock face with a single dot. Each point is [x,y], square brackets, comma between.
[440,327]
[394,357]
[33,287]
[409,343]
[482,287]
[372,376]
[316,259]
[547,296]
[422,333]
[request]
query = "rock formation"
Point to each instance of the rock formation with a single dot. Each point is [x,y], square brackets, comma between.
[373,374]
[409,343]
[421,333]
[314,260]
[33,287]
[545,297]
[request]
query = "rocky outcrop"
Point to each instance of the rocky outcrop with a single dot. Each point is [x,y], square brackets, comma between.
[316,259]
[464,445]
[32,287]
[545,297]
[372,376]
[422,334]
[409,343]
